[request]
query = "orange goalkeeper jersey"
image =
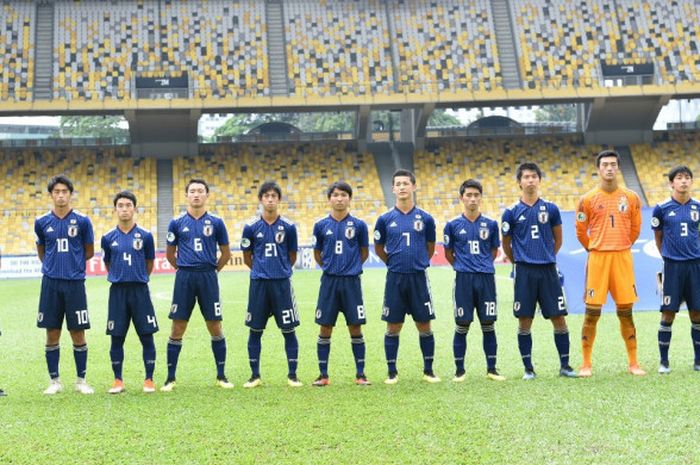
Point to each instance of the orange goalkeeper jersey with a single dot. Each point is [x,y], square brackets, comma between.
[608,221]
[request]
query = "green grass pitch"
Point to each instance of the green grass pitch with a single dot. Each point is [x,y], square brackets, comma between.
[612,418]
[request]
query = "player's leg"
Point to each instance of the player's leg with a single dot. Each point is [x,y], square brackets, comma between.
[563,345]
[146,325]
[486,306]
[180,312]
[286,314]
[421,306]
[256,320]
[353,308]
[210,306]
[524,301]
[695,336]
[394,314]
[323,350]
[77,321]
[50,317]
[326,316]
[357,343]
[692,299]
[597,283]
[117,326]
[525,346]
[53,351]
[80,356]
[463,304]
[624,294]
[553,305]
[664,338]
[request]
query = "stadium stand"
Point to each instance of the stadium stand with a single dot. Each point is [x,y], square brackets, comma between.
[654,161]
[100,48]
[28,170]
[304,171]
[445,45]
[338,47]
[16,49]
[568,172]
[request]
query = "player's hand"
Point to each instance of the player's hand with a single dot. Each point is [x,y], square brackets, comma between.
[561,276]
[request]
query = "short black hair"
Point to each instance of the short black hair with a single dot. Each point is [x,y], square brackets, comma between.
[196,181]
[528,166]
[403,172]
[341,186]
[678,170]
[60,179]
[269,186]
[473,183]
[125,195]
[606,153]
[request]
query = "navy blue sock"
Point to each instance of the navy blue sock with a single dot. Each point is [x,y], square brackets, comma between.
[116,355]
[525,347]
[173,353]
[323,349]
[291,347]
[254,348]
[358,352]
[53,355]
[391,349]
[695,335]
[80,356]
[664,340]
[218,347]
[149,354]
[490,345]
[561,340]
[459,347]
[427,348]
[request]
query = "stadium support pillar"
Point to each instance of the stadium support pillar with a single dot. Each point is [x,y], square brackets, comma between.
[363,128]
[622,120]
[408,125]
[163,134]
[421,122]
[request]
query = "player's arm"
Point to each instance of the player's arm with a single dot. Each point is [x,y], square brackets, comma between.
[379,238]
[106,252]
[40,244]
[658,238]
[149,253]
[558,238]
[292,244]
[317,239]
[657,217]
[224,257]
[248,258]
[364,243]
[582,224]
[88,240]
[41,251]
[636,223]
[447,245]
[89,251]
[247,245]
[171,255]
[507,248]
[430,237]
[507,240]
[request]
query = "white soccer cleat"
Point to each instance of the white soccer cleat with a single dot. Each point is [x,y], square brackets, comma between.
[55,387]
[253,382]
[664,369]
[83,387]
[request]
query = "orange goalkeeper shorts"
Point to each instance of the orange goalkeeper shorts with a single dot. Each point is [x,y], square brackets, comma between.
[610,271]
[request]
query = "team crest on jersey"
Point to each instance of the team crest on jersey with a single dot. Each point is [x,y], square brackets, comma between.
[72,231]
[694,215]
[591,292]
[622,205]
[279,237]
[483,234]
[516,307]
[543,217]
[138,244]
[349,232]
[418,225]
[207,230]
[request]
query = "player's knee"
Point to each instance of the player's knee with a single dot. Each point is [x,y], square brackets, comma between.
[592,315]
[668,317]
[325,331]
[462,328]
[428,333]
[488,327]
[624,311]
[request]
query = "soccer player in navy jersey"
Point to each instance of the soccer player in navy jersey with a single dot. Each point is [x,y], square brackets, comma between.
[404,239]
[269,247]
[128,252]
[341,244]
[64,242]
[471,245]
[532,236]
[676,225]
[191,249]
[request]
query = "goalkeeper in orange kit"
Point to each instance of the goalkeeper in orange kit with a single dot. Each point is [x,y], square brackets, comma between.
[608,221]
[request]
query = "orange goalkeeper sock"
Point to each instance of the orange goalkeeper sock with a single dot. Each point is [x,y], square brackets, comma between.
[588,332]
[629,334]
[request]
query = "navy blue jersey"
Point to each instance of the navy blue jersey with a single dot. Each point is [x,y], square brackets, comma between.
[531,230]
[340,243]
[64,240]
[472,243]
[196,239]
[405,237]
[680,224]
[126,254]
[270,245]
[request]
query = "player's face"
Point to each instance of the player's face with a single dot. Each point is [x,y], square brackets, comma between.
[197,195]
[529,181]
[681,183]
[471,199]
[608,168]
[340,200]
[60,194]
[270,201]
[125,209]
[403,187]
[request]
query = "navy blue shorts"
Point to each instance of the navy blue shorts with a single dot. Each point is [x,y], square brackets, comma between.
[538,284]
[340,294]
[201,285]
[681,283]
[130,302]
[474,291]
[59,298]
[407,293]
[271,297]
